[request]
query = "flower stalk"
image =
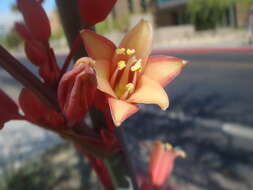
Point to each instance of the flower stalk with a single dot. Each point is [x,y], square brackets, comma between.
[118,164]
[27,79]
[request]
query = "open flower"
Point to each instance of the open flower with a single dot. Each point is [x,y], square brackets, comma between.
[127,74]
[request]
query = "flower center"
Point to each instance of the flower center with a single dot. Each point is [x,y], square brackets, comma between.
[124,76]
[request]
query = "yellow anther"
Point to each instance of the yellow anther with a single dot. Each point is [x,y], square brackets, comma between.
[120,51]
[121,65]
[130,51]
[129,87]
[136,66]
[168,146]
[85,60]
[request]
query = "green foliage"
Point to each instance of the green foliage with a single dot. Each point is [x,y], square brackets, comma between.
[28,178]
[206,14]
[12,39]
[57,35]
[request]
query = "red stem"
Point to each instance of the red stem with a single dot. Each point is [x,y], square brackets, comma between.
[74,48]
[27,78]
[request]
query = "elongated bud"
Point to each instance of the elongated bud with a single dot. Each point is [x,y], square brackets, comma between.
[161,162]
[8,109]
[35,18]
[35,111]
[77,89]
[23,31]
[36,52]
[91,11]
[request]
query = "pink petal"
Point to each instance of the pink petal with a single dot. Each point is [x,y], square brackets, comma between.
[121,110]
[163,69]
[149,92]
[97,46]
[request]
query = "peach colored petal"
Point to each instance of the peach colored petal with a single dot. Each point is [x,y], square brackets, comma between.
[163,69]
[103,74]
[149,92]
[121,110]
[140,39]
[155,158]
[97,46]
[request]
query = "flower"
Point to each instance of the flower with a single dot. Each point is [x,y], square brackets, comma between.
[127,74]
[9,111]
[161,163]
[76,90]
[94,11]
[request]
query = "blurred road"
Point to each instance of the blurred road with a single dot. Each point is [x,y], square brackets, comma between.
[212,86]
[219,85]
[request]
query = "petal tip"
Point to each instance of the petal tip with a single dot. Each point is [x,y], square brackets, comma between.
[165,107]
[184,62]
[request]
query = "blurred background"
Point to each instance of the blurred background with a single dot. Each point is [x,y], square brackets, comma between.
[211,110]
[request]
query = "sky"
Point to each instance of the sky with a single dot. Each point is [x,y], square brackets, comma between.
[7,17]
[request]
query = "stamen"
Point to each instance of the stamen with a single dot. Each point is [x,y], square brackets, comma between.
[121,65]
[130,51]
[120,51]
[137,66]
[129,89]
[85,60]
[168,146]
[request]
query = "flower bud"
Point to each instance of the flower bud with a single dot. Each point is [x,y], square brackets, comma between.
[161,162]
[35,111]
[77,89]
[35,18]
[91,11]
[8,109]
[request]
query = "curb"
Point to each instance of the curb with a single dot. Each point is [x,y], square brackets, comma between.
[203,50]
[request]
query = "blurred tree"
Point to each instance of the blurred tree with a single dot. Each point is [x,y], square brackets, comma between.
[144,5]
[206,14]
[12,39]
[130,6]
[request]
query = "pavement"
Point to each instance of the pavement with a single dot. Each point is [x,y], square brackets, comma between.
[210,117]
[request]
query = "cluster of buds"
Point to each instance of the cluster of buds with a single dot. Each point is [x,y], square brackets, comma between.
[36,38]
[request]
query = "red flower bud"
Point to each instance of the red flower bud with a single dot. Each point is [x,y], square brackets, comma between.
[94,11]
[23,31]
[35,111]
[8,109]
[35,18]
[161,163]
[36,52]
[77,89]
